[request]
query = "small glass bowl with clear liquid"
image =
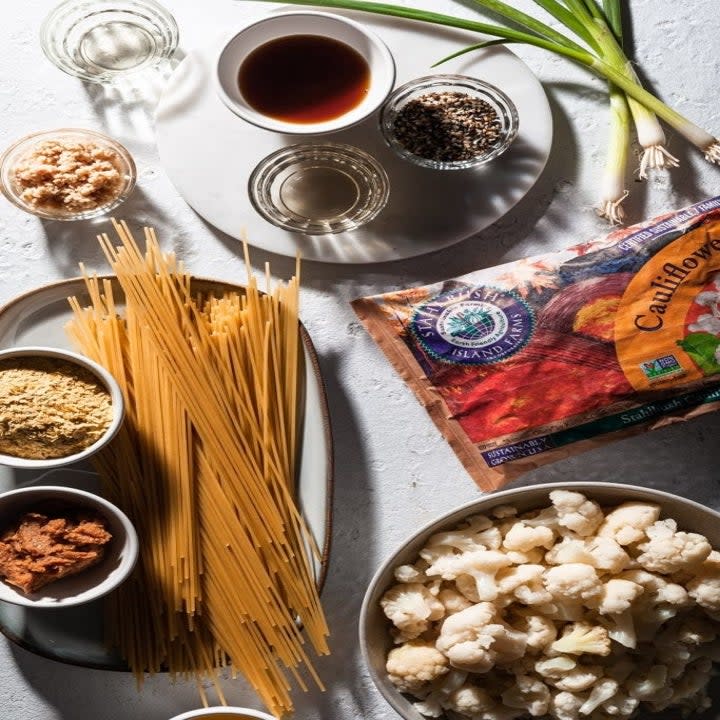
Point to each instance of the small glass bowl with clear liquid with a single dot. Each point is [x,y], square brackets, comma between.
[319,189]
[104,40]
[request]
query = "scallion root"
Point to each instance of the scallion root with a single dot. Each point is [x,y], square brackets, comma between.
[712,152]
[612,210]
[656,157]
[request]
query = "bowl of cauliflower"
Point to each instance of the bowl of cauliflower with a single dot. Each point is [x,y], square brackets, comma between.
[569,601]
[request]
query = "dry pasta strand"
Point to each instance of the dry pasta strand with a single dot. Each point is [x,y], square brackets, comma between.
[205,465]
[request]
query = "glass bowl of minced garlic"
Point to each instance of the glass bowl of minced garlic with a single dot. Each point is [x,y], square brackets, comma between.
[56,407]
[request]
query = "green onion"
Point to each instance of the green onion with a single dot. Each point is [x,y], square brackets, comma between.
[613,191]
[608,35]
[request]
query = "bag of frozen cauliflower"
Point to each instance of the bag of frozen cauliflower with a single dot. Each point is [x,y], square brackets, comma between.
[531,361]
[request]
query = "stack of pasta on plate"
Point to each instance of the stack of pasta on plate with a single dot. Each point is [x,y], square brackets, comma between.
[205,466]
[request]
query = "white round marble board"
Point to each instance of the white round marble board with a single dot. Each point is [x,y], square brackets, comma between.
[209,153]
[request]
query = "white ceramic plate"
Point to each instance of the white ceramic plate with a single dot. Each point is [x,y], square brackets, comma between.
[75,635]
[209,153]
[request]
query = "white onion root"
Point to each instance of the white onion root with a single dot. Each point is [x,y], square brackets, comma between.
[612,210]
[712,152]
[656,157]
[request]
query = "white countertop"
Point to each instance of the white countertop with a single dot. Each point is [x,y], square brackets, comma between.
[393,470]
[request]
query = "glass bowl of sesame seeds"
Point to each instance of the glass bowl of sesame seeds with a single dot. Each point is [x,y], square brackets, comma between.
[449,122]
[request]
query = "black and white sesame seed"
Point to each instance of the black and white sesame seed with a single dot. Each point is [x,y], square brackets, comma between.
[448,126]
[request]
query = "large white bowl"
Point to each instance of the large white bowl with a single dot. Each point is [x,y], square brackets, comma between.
[375,640]
[94,582]
[107,380]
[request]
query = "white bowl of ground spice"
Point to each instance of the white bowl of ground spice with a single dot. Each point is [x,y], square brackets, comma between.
[60,546]
[56,407]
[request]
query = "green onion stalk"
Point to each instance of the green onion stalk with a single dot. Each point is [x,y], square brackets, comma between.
[594,41]
[608,32]
[613,191]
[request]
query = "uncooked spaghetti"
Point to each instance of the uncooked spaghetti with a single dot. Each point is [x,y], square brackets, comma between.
[205,466]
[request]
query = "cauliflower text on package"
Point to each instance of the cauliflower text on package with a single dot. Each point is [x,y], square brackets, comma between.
[527,362]
[567,612]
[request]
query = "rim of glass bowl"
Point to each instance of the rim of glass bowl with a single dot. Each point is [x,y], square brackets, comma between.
[366,169]
[501,103]
[54,34]
[10,157]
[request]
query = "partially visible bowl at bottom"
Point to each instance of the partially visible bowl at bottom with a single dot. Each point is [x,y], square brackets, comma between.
[224,712]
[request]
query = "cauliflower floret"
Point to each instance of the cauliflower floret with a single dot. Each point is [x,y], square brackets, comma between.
[525,537]
[525,583]
[478,533]
[414,665]
[470,700]
[606,554]
[621,705]
[650,685]
[619,665]
[555,667]
[411,608]
[696,630]
[579,678]
[601,553]
[668,550]
[491,538]
[681,639]
[603,690]
[566,706]
[462,540]
[659,602]
[704,589]
[547,517]
[531,557]
[528,693]
[626,524]
[563,610]
[570,550]
[577,513]
[482,565]
[574,581]
[618,595]
[621,628]
[689,688]
[580,638]
[453,601]
[411,573]
[540,631]
[434,702]
[475,639]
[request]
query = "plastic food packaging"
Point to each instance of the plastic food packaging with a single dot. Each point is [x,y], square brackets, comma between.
[542,358]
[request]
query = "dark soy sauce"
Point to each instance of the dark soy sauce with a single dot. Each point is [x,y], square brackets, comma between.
[304,78]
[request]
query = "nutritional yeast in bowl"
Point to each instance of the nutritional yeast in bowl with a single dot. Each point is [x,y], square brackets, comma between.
[304,78]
